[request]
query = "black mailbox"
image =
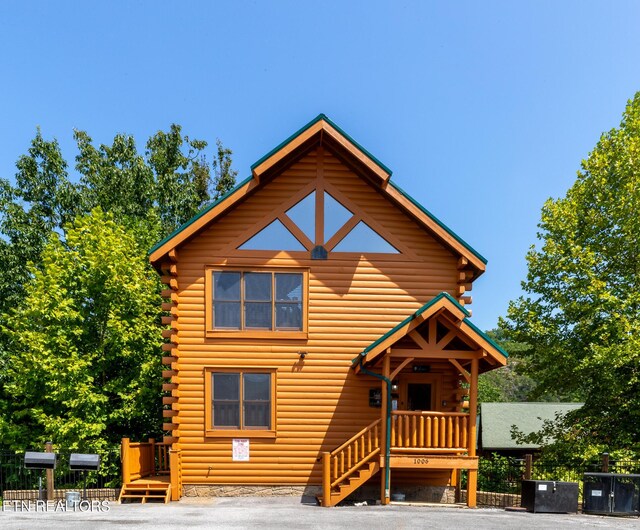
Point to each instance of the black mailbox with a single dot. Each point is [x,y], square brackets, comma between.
[33,460]
[84,462]
[548,496]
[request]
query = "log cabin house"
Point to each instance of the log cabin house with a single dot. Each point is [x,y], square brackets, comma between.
[318,337]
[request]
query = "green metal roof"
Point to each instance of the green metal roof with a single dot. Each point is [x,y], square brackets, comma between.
[315,120]
[270,153]
[426,306]
[496,420]
[486,337]
[199,214]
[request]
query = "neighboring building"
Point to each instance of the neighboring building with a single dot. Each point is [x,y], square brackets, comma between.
[318,335]
[496,421]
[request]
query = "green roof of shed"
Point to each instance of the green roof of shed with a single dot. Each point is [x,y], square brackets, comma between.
[497,419]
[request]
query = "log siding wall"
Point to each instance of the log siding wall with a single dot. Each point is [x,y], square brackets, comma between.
[352,301]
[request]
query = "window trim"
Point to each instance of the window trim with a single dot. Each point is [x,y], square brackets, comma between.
[211,431]
[211,332]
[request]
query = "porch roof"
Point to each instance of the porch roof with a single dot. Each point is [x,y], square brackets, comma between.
[443,303]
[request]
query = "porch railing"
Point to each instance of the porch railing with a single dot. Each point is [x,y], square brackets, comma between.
[143,459]
[435,432]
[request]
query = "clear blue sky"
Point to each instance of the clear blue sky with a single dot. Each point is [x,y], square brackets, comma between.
[482,109]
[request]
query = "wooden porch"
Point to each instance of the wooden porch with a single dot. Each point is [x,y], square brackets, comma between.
[435,430]
[418,440]
[150,472]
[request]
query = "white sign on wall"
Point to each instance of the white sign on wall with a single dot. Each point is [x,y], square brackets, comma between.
[240,450]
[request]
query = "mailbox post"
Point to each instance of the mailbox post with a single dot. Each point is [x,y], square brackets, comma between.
[84,463]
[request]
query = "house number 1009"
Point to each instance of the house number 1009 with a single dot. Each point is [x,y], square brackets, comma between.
[420,460]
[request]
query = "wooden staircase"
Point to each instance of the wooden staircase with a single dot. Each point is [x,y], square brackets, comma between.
[150,472]
[147,489]
[349,466]
[352,484]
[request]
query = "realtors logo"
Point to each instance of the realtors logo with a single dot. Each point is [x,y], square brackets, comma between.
[55,506]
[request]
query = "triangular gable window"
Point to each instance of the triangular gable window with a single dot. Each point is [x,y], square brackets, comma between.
[335,216]
[363,239]
[274,236]
[303,215]
[340,229]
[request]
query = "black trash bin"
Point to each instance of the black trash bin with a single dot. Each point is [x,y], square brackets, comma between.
[549,496]
[611,494]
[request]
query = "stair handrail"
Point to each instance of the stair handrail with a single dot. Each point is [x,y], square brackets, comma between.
[355,436]
[334,462]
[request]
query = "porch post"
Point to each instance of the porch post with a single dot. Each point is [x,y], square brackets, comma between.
[472,480]
[385,476]
[175,474]
[124,456]
[152,457]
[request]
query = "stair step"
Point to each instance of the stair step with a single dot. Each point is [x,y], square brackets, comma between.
[145,492]
[147,486]
[130,496]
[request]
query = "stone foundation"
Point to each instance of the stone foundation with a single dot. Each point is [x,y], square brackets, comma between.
[206,490]
[432,494]
[101,494]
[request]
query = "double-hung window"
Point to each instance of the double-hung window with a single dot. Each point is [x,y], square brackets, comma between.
[240,400]
[257,301]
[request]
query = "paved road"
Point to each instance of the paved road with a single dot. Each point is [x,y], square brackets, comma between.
[290,513]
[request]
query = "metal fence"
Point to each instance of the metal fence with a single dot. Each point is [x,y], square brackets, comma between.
[500,478]
[21,484]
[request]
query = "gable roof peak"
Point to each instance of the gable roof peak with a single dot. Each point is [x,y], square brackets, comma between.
[321,130]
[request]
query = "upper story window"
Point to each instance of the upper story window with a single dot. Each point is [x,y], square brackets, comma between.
[257,301]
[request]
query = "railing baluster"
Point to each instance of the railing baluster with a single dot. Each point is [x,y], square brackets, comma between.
[392,434]
[443,432]
[342,462]
[414,440]
[407,435]
[457,432]
[436,428]
[449,431]
[427,441]
[335,468]
[421,432]
[465,431]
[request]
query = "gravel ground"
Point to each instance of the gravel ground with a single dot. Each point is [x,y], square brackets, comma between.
[284,513]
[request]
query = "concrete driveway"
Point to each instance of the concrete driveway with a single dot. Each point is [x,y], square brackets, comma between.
[282,513]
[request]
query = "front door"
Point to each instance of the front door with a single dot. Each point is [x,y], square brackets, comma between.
[418,396]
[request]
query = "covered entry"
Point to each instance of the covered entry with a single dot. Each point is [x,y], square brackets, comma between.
[428,367]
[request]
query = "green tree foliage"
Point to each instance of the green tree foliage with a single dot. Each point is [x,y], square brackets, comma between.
[147,196]
[84,368]
[156,193]
[509,383]
[582,313]
[39,203]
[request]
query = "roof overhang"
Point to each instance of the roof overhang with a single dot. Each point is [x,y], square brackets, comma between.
[421,328]
[322,131]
